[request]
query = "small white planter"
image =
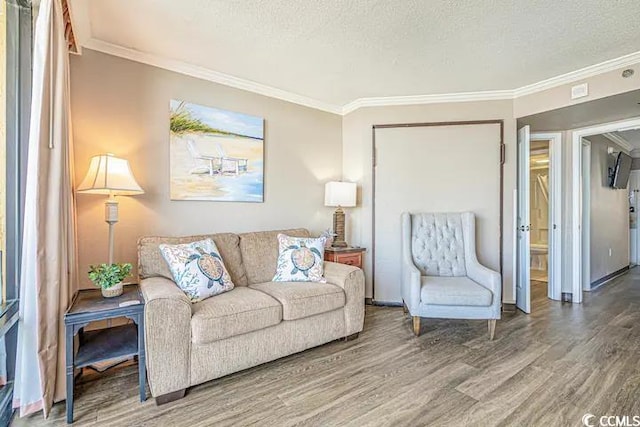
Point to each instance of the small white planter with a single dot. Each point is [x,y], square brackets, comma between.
[113,291]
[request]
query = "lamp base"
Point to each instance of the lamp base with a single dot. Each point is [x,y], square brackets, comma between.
[338,229]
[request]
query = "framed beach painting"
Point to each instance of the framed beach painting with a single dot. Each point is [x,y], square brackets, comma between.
[215,155]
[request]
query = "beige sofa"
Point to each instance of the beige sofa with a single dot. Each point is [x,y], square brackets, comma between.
[256,322]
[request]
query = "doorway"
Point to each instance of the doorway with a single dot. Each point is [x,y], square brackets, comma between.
[581,213]
[539,219]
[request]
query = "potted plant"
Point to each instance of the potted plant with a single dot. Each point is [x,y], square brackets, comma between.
[109,277]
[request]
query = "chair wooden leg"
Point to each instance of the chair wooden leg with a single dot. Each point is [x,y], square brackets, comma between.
[492,328]
[416,325]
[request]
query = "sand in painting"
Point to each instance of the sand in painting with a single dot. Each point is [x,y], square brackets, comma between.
[190,179]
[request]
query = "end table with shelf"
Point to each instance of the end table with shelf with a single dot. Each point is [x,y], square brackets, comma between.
[100,345]
[349,255]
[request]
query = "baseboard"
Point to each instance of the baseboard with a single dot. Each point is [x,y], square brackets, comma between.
[596,284]
[386,303]
[508,307]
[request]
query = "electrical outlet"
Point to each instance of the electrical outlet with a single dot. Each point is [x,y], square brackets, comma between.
[609,251]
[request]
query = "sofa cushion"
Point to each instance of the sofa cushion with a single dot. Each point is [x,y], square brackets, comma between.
[197,269]
[260,253]
[454,291]
[233,313]
[300,259]
[152,264]
[303,299]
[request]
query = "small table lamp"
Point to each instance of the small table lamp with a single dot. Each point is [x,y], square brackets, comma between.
[111,176]
[340,195]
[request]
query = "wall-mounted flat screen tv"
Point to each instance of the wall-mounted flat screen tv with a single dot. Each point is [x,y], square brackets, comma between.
[621,171]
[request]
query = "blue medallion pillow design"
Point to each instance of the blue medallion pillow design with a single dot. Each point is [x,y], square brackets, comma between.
[197,269]
[300,259]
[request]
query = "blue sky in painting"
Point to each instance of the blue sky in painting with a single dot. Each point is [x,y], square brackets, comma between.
[229,121]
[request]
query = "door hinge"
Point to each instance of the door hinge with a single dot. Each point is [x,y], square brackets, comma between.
[502,154]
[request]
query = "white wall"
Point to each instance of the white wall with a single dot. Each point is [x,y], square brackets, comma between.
[357,153]
[609,228]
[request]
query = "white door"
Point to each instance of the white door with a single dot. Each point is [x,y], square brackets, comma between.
[523,283]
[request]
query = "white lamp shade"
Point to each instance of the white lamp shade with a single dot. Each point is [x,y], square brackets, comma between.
[109,175]
[340,194]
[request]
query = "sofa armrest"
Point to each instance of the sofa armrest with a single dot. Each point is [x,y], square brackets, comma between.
[351,280]
[167,325]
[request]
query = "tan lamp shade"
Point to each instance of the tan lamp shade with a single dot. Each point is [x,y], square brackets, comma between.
[109,175]
[340,194]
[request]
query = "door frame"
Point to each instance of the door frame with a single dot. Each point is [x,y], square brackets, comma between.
[555,211]
[578,257]
[585,209]
[502,159]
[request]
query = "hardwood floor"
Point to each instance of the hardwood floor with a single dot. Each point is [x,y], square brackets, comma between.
[544,369]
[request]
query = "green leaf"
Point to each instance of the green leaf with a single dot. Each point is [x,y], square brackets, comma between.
[108,275]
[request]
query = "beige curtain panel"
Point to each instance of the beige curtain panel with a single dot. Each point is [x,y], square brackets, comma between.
[48,272]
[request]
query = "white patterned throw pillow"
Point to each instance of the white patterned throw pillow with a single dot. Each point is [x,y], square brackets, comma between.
[300,259]
[197,269]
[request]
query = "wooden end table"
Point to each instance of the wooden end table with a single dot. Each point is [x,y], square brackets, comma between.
[349,255]
[100,345]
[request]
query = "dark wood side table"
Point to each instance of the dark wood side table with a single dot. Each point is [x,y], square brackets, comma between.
[350,256]
[89,305]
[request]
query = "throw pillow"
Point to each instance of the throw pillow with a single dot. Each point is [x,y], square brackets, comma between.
[300,259]
[197,269]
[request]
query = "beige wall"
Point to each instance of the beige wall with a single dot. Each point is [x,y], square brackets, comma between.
[120,106]
[600,86]
[356,137]
[609,221]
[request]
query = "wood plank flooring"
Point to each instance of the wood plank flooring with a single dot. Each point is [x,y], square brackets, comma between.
[544,369]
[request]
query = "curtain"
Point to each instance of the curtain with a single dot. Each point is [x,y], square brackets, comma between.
[48,271]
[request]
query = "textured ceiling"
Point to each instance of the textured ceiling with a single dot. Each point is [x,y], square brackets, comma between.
[337,51]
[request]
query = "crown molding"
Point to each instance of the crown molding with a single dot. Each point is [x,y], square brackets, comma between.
[581,74]
[618,139]
[251,86]
[491,95]
[207,74]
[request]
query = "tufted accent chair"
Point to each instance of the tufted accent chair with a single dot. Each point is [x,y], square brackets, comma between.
[441,275]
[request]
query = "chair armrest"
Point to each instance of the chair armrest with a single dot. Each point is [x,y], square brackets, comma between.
[489,279]
[351,280]
[167,325]
[410,284]
[410,275]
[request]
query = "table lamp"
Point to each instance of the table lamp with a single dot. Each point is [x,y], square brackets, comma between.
[111,176]
[340,195]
